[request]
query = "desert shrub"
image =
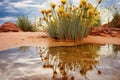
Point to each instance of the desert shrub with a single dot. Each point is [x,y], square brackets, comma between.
[25,24]
[36,24]
[115,23]
[68,22]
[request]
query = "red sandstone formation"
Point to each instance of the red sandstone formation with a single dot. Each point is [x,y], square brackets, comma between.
[9,27]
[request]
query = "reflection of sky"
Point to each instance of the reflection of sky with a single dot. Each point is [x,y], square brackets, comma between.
[27,65]
[108,49]
[9,9]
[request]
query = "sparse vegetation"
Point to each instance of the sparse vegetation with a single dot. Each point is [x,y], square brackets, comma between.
[69,22]
[115,23]
[25,24]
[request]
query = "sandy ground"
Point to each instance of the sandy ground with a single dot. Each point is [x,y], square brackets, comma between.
[16,39]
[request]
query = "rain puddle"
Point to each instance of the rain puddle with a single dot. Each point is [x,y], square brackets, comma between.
[83,62]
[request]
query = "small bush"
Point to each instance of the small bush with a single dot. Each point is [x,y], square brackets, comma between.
[25,24]
[69,22]
[115,23]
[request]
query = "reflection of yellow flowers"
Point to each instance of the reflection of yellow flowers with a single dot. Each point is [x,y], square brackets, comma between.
[63,2]
[52,5]
[99,1]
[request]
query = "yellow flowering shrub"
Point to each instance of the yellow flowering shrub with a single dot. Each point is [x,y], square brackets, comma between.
[70,22]
[83,3]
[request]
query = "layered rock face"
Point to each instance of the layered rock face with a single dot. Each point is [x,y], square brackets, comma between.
[102,31]
[9,27]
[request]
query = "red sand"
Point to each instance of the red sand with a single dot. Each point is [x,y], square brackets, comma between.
[16,39]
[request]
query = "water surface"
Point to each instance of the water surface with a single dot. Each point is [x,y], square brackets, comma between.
[83,62]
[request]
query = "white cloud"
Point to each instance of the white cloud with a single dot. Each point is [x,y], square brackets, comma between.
[0,3]
[32,7]
[118,4]
[106,16]
[6,1]
[45,5]
[25,4]
[19,4]
[8,18]
[10,9]
[55,1]
[28,1]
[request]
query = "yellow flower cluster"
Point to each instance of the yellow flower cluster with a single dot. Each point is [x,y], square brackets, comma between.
[49,14]
[67,14]
[52,5]
[63,1]
[60,10]
[96,13]
[99,1]
[90,12]
[59,17]
[83,3]
[90,6]
[43,11]
[49,11]
[85,11]
[52,19]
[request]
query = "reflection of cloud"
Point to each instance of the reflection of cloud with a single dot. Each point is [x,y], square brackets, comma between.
[107,50]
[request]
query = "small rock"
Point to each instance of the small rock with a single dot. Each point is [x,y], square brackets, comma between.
[9,27]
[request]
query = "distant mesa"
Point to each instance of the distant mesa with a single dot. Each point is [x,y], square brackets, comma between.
[9,27]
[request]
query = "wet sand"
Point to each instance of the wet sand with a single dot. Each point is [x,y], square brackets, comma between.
[16,39]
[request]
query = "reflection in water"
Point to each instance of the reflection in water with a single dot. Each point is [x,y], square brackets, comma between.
[108,49]
[67,60]
[24,48]
[82,62]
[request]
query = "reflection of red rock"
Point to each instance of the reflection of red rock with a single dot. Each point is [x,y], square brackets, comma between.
[105,31]
[8,26]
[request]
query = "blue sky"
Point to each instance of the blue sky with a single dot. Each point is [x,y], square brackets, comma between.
[10,9]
